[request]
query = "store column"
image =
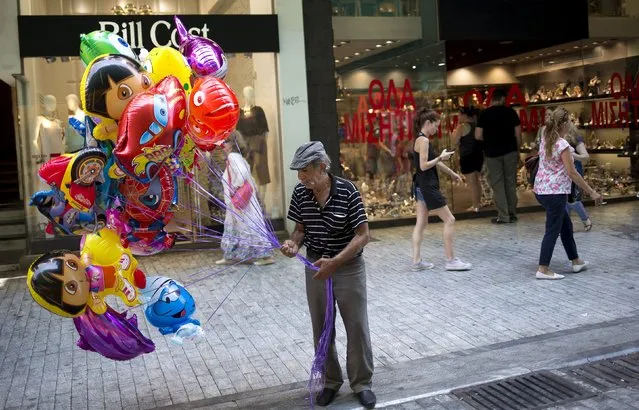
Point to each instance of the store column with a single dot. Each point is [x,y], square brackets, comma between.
[294,113]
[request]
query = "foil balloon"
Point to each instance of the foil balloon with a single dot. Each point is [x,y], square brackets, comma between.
[146,212]
[70,204]
[205,57]
[169,305]
[64,284]
[163,61]
[150,130]
[104,249]
[109,83]
[99,42]
[112,335]
[213,112]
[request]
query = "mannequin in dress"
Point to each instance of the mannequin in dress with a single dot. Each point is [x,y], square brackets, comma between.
[74,141]
[49,135]
[254,128]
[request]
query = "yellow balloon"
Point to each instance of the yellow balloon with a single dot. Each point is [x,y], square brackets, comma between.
[163,61]
[104,249]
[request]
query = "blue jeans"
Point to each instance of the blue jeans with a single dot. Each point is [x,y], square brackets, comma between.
[557,223]
[578,206]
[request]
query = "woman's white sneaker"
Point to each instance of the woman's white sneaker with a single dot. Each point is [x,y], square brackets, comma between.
[553,276]
[457,264]
[579,268]
[421,265]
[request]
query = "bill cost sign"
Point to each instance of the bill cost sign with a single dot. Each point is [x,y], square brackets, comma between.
[161,32]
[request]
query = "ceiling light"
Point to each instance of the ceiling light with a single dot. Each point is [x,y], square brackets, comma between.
[336,60]
[479,50]
[559,51]
[368,49]
[506,42]
[414,67]
[594,43]
[355,54]
[441,64]
[575,46]
[389,41]
[346,58]
[551,62]
[378,45]
[334,46]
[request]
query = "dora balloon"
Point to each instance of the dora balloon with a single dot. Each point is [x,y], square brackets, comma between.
[109,83]
[63,284]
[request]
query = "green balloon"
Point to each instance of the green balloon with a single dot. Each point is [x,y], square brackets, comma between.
[99,42]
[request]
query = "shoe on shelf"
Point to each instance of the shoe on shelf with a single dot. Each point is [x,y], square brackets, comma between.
[367,399]
[499,221]
[325,397]
[552,276]
[580,267]
[458,264]
[264,261]
[224,262]
[473,209]
[421,265]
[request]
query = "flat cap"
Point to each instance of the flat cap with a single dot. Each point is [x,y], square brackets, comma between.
[306,154]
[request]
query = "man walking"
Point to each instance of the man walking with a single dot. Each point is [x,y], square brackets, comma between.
[330,220]
[499,128]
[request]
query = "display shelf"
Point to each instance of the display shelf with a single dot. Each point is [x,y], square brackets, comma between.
[590,151]
[599,97]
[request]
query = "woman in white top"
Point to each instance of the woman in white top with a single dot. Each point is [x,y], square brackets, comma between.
[245,230]
[552,186]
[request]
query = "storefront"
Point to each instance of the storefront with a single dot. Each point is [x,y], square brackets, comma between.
[596,80]
[48,88]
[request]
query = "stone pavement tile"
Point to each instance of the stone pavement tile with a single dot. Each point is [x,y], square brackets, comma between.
[261,337]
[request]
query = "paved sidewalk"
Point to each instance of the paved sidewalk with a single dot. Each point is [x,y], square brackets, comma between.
[260,336]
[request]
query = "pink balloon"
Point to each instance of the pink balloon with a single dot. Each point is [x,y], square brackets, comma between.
[205,57]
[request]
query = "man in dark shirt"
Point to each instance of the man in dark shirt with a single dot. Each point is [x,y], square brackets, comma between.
[499,128]
[330,220]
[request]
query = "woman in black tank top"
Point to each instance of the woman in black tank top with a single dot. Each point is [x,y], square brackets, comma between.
[427,194]
[471,155]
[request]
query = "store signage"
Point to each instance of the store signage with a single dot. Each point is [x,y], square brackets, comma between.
[383,114]
[58,36]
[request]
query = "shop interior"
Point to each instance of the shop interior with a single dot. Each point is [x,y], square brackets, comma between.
[596,80]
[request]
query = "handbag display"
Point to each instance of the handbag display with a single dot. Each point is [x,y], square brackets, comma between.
[241,197]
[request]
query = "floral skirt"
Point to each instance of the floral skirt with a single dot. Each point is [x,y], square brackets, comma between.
[244,236]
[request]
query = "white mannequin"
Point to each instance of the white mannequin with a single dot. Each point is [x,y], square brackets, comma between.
[49,136]
[255,142]
[74,141]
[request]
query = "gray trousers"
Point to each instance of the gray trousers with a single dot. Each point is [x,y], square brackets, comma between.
[502,174]
[349,291]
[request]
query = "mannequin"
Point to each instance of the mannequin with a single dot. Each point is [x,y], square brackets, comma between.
[74,141]
[49,135]
[254,128]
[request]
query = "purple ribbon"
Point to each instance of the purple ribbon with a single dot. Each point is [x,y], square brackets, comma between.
[317,379]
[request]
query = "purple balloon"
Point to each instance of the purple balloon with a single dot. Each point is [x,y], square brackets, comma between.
[205,57]
[112,335]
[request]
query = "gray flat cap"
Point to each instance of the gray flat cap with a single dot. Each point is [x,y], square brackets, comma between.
[306,154]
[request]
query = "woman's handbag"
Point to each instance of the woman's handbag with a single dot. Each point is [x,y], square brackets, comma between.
[532,165]
[241,197]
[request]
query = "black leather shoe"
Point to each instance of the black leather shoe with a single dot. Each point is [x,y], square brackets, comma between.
[367,399]
[325,397]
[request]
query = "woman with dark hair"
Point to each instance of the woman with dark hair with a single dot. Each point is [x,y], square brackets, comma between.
[429,198]
[552,186]
[245,230]
[471,153]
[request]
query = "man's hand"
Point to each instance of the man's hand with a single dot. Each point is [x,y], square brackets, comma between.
[289,248]
[327,266]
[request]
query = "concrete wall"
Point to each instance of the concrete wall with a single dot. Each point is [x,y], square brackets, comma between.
[9,48]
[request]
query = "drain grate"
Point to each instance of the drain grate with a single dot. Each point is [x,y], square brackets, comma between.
[529,391]
[607,374]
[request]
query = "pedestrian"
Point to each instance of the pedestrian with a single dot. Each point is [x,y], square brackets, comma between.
[499,129]
[471,154]
[245,231]
[330,220]
[430,200]
[580,155]
[552,186]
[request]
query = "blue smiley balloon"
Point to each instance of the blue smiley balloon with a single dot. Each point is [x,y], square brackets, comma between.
[169,304]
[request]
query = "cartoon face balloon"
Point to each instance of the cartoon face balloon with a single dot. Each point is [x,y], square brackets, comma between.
[205,57]
[148,202]
[169,304]
[164,61]
[213,112]
[150,129]
[109,83]
[99,42]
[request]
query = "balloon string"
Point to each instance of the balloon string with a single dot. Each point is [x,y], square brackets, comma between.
[227,295]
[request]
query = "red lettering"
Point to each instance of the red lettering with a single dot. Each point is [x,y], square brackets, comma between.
[618,91]
[379,103]
[384,126]
[489,97]
[399,121]
[474,92]
[515,96]
[407,96]
[410,116]
[370,135]
[451,123]
[392,92]
[598,119]
[350,126]
[635,107]
[613,116]
[523,119]
[535,118]
[362,105]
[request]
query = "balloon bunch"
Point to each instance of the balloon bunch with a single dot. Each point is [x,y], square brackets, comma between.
[145,123]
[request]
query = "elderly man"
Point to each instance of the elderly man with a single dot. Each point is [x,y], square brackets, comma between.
[330,220]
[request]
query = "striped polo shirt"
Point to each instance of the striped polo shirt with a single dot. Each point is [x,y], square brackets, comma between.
[327,231]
